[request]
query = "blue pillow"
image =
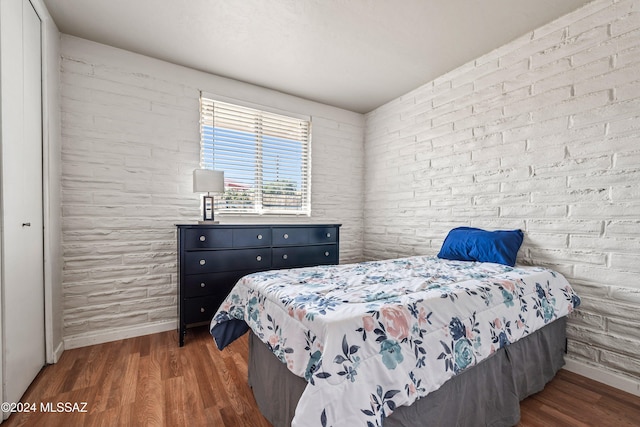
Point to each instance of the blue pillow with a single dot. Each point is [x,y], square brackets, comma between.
[474,244]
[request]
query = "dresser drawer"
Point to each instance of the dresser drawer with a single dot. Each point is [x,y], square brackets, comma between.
[198,262]
[196,285]
[220,238]
[208,238]
[302,256]
[290,236]
[251,237]
[202,309]
[323,235]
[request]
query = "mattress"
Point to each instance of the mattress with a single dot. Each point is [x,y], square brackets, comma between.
[371,337]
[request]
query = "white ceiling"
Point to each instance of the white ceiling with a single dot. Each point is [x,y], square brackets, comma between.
[353,54]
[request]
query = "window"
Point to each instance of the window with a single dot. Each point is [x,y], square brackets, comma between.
[264,156]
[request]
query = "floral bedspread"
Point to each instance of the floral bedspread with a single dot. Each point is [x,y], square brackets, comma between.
[373,336]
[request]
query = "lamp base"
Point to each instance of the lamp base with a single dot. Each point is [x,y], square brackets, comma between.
[209,222]
[207,208]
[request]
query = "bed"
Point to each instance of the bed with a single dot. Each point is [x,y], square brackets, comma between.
[403,342]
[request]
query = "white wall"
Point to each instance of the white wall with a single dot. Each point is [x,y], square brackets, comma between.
[542,135]
[130,141]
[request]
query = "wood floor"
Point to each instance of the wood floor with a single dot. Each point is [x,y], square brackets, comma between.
[150,381]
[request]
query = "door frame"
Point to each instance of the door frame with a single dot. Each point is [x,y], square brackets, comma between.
[51,177]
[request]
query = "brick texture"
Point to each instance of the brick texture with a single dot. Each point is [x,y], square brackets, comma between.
[130,140]
[542,135]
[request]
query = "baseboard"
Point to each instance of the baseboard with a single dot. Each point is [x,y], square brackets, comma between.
[606,377]
[119,334]
[58,352]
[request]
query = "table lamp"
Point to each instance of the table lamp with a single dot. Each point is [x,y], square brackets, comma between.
[208,181]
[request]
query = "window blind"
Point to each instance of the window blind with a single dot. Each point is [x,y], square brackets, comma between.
[264,155]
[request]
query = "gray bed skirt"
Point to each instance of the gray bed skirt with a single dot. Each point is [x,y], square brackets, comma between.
[488,394]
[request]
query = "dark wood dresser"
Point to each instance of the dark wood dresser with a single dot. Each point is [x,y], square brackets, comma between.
[211,259]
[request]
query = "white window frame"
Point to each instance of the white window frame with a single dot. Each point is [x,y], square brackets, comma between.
[257,204]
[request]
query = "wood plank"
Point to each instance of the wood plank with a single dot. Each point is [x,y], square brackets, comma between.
[149,396]
[110,379]
[92,368]
[130,380]
[176,410]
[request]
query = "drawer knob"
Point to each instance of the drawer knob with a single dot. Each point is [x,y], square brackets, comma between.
[202,262]
[284,256]
[202,285]
[258,258]
[202,310]
[328,234]
[286,236]
[203,238]
[326,253]
[259,236]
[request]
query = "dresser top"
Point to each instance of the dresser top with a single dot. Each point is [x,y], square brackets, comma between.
[255,225]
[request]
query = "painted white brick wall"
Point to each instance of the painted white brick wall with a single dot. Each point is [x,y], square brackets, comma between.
[130,140]
[541,134]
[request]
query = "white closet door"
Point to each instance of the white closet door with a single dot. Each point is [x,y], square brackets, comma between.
[22,242]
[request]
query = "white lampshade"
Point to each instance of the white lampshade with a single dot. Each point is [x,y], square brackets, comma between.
[208,181]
